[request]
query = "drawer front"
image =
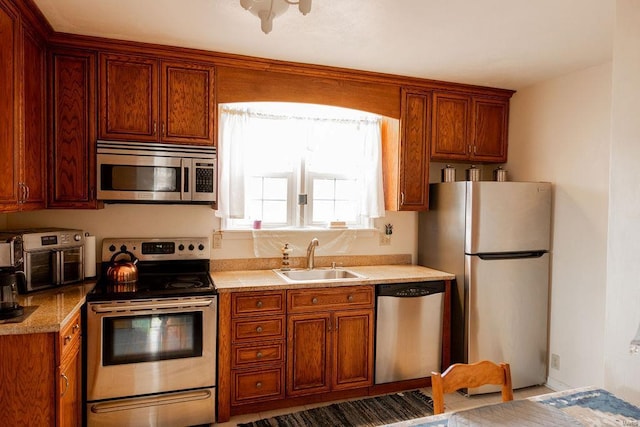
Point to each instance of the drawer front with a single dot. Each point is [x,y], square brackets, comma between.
[266,384]
[244,355]
[330,298]
[70,334]
[253,329]
[257,303]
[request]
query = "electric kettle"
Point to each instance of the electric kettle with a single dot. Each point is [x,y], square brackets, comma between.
[9,283]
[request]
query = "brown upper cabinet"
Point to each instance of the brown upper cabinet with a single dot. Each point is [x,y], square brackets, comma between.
[148,99]
[72,149]
[469,128]
[22,115]
[405,153]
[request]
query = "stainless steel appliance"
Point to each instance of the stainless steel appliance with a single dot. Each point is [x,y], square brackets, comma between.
[51,256]
[494,236]
[10,250]
[408,330]
[151,342]
[147,172]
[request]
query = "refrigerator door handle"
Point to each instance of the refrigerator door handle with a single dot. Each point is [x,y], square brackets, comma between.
[511,255]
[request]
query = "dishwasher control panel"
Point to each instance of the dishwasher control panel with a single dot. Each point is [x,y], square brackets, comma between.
[409,290]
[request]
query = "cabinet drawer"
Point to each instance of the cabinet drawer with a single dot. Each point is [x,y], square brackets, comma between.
[257,353]
[330,298]
[70,334]
[251,329]
[254,303]
[265,384]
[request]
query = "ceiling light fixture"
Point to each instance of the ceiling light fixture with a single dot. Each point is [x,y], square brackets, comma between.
[266,10]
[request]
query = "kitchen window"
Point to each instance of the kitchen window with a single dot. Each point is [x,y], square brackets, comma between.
[298,165]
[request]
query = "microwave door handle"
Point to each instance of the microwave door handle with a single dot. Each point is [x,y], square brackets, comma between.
[185,191]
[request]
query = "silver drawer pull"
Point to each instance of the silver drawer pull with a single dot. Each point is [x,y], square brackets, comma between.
[259,304]
[259,355]
[314,300]
[259,329]
[350,298]
[258,384]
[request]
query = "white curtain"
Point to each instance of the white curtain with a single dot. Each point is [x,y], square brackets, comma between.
[231,152]
[234,148]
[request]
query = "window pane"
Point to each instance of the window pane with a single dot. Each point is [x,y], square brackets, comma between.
[322,211]
[345,189]
[275,188]
[323,189]
[275,212]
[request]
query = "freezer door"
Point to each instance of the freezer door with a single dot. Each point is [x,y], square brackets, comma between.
[506,316]
[507,216]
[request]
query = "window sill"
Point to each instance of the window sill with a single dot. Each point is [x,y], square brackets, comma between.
[248,234]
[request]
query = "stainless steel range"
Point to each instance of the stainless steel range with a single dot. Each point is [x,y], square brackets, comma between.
[151,335]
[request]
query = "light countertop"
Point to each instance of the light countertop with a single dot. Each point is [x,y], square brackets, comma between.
[263,280]
[47,311]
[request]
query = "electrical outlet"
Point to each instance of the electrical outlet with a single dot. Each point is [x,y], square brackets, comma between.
[555,361]
[216,242]
[385,240]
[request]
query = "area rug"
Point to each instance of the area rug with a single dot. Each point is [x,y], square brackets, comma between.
[372,411]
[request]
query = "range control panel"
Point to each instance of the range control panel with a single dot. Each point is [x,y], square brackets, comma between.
[158,249]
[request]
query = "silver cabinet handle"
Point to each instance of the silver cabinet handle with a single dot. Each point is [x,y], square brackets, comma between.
[350,298]
[259,355]
[258,384]
[259,329]
[402,197]
[66,384]
[259,304]
[155,127]
[314,300]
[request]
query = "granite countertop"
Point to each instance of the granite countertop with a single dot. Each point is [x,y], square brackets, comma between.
[262,280]
[46,311]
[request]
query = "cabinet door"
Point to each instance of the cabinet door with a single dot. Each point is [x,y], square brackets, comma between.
[352,349]
[128,98]
[414,150]
[308,354]
[70,390]
[9,151]
[187,99]
[451,134]
[34,152]
[490,128]
[72,108]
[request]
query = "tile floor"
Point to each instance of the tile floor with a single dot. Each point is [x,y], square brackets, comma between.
[453,401]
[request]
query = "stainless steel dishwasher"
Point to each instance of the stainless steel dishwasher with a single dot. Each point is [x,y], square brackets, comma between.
[408,330]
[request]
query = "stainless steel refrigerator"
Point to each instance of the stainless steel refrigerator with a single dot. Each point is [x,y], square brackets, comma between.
[494,236]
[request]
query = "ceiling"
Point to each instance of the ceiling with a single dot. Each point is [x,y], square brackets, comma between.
[509,44]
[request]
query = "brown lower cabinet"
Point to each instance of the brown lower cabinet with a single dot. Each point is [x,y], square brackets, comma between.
[276,346]
[42,378]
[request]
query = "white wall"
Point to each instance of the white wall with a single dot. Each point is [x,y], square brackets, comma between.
[560,132]
[175,221]
[622,370]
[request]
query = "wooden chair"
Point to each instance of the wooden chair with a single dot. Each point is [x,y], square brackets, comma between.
[473,375]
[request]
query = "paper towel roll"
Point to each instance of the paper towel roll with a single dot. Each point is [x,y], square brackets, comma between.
[89,256]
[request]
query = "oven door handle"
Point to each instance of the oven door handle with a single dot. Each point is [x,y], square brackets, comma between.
[155,306]
[149,402]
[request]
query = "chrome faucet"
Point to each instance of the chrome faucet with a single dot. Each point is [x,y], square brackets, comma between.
[311,250]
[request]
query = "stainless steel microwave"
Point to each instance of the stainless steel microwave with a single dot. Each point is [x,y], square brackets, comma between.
[152,172]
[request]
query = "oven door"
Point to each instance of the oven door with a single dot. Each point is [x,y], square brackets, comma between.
[142,178]
[150,346]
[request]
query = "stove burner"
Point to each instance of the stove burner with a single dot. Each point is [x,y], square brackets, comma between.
[184,282]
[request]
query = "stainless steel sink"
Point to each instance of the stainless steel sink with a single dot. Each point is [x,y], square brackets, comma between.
[319,275]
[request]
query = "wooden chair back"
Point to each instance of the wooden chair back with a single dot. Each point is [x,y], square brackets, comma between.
[477,374]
